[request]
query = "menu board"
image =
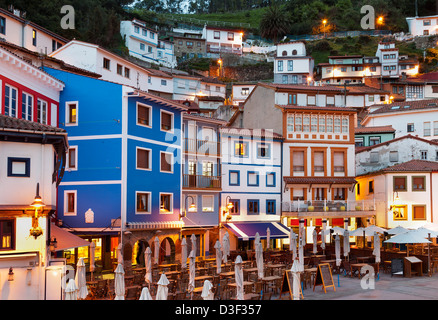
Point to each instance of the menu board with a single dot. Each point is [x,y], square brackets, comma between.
[287,284]
[324,277]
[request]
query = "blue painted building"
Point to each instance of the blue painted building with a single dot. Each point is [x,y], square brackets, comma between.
[201,180]
[123,173]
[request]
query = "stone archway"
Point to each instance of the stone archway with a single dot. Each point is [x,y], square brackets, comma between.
[138,252]
[167,251]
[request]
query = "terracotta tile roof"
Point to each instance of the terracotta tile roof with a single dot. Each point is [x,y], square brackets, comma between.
[374,129]
[414,166]
[363,89]
[251,132]
[325,180]
[303,87]
[7,122]
[361,149]
[293,107]
[405,106]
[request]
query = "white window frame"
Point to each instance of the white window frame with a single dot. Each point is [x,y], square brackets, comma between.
[10,100]
[171,203]
[212,203]
[68,159]
[148,211]
[171,164]
[66,192]
[173,121]
[43,120]
[150,159]
[67,113]
[150,115]
[32,106]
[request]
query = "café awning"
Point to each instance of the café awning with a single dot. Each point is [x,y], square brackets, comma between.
[66,240]
[247,230]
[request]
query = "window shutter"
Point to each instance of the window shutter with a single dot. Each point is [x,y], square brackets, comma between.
[143,159]
[166,121]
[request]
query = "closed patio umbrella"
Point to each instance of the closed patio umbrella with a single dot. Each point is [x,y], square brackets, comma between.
[225,248]
[301,251]
[338,250]
[217,246]
[323,239]
[238,276]
[315,241]
[346,243]
[119,282]
[162,290]
[119,254]
[376,250]
[156,250]
[207,293]
[268,238]
[71,291]
[293,244]
[184,254]
[192,272]
[81,282]
[193,239]
[259,260]
[256,240]
[148,265]
[296,269]
[92,258]
[145,294]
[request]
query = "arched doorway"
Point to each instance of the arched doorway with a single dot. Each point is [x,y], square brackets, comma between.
[167,251]
[138,252]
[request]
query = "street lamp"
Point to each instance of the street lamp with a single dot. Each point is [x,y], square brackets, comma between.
[380,20]
[324,22]
[220,67]
[37,203]
[192,206]
[229,206]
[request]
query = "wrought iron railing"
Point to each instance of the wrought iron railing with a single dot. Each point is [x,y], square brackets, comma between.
[328,205]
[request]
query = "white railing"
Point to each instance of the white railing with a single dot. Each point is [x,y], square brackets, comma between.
[328,205]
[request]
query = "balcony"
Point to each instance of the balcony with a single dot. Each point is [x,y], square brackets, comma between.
[203,147]
[328,208]
[191,181]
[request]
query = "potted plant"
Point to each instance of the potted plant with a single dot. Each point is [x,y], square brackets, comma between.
[358,208]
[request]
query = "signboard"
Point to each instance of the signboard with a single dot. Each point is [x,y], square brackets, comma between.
[287,285]
[324,277]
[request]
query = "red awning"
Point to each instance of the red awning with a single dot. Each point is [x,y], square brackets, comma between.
[66,240]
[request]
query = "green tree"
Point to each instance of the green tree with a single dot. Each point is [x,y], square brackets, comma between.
[274,23]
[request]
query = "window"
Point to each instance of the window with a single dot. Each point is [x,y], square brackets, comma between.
[143,159]
[374,141]
[18,167]
[400,212]
[189,44]
[435,128]
[166,121]
[241,149]
[166,202]
[234,178]
[311,100]
[314,124]
[371,186]
[290,65]
[338,194]
[418,212]
[337,126]
[358,189]
[418,183]
[344,125]
[374,157]
[149,49]
[290,122]
[136,29]
[329,124]
[142,47]
[270,179]
[298,123]
[70,203]
[119,69]
[293,99]
[10,101]
[410,127]
[143,202]
[298,194]
[253,179]
[284,79]
[263,150]
[42,111]
[26,106]
[106,63]
[164,82]
[280,65]
[192,167]
[270,206]
[34,37]
[321,124]
[230,36]
[400,184]
[393,156]
[72,158]
[144,115]
[127,73]
[207,203]
[7,234]
[2,25]
[207,169]
[144,32]
[306,123]
[244,91]
[236,206]
[253,207]
[359,142]
[152,35]
[318,161]
[216,35]
[338,161]
[426,22]
[298,161]
[423,154]
[166,161]
[71,113]
[426,129]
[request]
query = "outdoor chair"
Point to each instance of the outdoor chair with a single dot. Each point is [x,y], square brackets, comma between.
[267,296]
[347,269]
[111,289]
[257,287]
[132,293]
[101,288]
[180,296]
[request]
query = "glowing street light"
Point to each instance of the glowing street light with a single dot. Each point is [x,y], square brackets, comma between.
[324,22]
[380,20]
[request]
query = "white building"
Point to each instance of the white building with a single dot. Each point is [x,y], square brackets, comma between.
[292,65]
[27,34]
[404,193]
[241,91]
[143,43]
[419,118]
[388,57]
[222,40]
[251,182]
[422,26]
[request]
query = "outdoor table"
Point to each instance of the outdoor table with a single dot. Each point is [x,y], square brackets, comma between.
[363,259]
[227,274]
[171,274]
[267,280]
[170,265]
[249,296]
[92,285]
[245,285]
[357,266]
[203,278]
[129,280]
